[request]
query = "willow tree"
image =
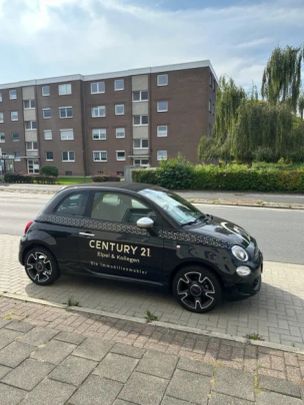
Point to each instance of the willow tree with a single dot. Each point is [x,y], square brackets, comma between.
[301,105]
[228,99]
[282,76]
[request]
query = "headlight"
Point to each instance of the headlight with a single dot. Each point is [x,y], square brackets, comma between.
[240,253]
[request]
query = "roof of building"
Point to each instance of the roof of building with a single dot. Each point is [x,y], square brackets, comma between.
[110,75]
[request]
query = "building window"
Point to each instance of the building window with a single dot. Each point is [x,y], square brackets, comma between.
[98,111]
[68,156]
[67,134]
[140,120]
[17,157]
[162,106]
[120,155]
[141,162]
[119,109]
[32,146]
[2,137]
[29,125]
[140,143]
[99,134]
[49,156]
[47,135]
[29,104]
[64,89]
[46,113]
[162,155]
[45,90]
[1,117]
[0,97]
[119,84]
[120,132]
[98,87]
[140,95]
[100,156]
[12,94]
[162,130]
[14,115]
[65,112]
[15,137]
[33,166]
[162,80]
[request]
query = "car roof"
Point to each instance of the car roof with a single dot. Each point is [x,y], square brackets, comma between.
[122,185]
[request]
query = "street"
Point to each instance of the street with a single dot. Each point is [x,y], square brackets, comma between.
[279,232]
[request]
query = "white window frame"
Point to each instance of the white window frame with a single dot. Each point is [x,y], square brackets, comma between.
[12,94]
[46,109]
[117,107]
[1,97]
[45,93]
[68,160]
[31,125]
[31,104]
[159,78]
[2,137]
[99,109]
[100,133]
[35,166]
[141,119]
[140,96]
[162,152]
[17,139]
[100,87]
[162,134]
[64,89]
[65,137]
[1,117]
[100,154]
[65,108]
[46,158]
[31,148]
[123,159]
[141,143]
[119,88]
[159,110]
[140,164]
[122,129]
[16,118]
[48,137]
[17,157]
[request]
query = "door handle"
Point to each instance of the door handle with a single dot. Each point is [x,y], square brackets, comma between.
[86,234]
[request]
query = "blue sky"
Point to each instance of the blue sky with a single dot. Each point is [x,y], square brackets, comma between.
[44,38]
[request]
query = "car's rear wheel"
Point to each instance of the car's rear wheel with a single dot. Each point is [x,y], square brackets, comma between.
[197,289]
[40,266]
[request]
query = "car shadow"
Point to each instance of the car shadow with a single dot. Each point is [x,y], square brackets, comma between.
[273,314]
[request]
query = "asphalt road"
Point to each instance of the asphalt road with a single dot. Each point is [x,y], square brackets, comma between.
[279,232]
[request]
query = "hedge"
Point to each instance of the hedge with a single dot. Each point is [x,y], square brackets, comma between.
[19,178]
[230,177]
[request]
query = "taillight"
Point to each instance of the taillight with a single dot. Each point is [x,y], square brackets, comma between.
[27,226]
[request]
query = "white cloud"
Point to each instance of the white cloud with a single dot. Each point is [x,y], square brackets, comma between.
[42,38]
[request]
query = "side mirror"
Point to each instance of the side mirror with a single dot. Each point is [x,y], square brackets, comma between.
[145,223]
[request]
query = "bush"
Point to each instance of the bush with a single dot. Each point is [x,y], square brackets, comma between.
[175,174]
[233,177]
[103,178]
[27,179]
[49,171]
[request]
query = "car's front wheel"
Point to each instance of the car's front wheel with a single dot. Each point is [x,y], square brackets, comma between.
[40,266]
[197,289]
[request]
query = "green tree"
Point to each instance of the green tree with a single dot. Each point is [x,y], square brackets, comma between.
[301,105]
[282,76]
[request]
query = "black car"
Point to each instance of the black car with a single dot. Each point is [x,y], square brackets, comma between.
[145,234]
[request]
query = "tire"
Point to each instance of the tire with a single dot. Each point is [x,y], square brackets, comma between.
[41,266]
[197,289]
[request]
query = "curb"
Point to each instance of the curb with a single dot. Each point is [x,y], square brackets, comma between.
[166,325]
[263,204]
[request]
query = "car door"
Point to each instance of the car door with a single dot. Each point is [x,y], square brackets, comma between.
[117,246]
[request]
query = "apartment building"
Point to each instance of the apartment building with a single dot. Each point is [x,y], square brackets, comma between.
[99,124]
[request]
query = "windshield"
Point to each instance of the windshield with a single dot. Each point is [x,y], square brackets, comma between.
[175,206]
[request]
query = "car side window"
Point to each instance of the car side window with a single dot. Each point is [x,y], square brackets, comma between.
[118,207]
[72,205]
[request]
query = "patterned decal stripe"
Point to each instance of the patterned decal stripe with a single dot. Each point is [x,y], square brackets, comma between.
[193,238]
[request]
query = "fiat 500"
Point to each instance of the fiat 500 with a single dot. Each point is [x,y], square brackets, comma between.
[141,233]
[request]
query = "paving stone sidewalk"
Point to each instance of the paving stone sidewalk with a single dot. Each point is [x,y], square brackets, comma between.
[51,356]
[276,314]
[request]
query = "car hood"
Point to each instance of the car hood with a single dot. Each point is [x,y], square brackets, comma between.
[222,229]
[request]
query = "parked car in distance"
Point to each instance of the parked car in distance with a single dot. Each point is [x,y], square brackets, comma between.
[141,233]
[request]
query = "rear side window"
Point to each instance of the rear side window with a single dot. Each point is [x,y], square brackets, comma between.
[72,205]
